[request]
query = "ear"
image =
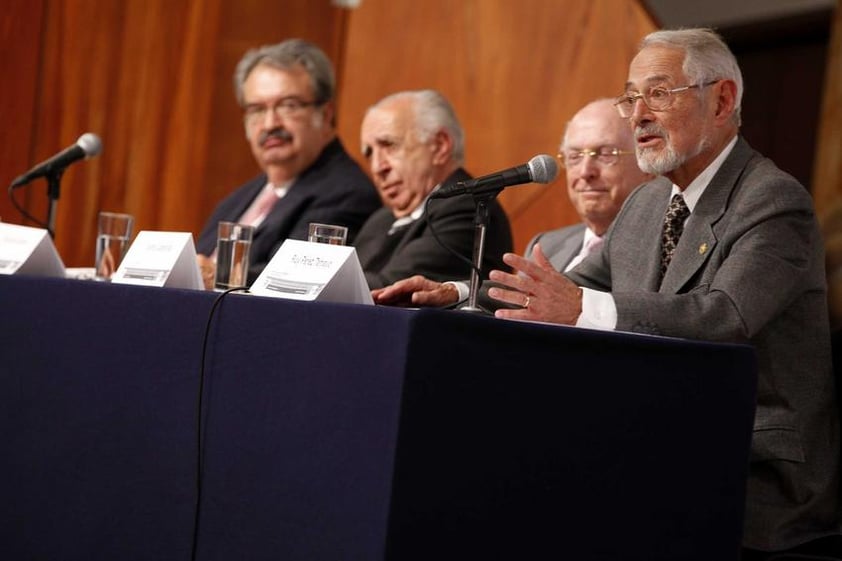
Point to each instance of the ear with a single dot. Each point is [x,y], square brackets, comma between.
[329,111]
[442,147]
[726,100]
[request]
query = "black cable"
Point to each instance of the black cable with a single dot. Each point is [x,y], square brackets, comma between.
[25,214]
[199,418]
[441,243]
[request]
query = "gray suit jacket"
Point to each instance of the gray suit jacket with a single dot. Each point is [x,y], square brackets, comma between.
[559,246]
[749,267]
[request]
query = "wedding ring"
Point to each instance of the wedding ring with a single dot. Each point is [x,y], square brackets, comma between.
[526,304]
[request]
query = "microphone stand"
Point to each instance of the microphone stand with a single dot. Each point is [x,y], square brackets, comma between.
[53,191]
[480,226]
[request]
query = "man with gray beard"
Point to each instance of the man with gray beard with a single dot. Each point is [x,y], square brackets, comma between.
[724,247]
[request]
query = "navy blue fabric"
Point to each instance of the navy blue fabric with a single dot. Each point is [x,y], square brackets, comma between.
[353,432]
[526,441]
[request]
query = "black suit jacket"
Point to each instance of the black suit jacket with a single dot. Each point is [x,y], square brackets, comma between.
[334,190]
[413,250]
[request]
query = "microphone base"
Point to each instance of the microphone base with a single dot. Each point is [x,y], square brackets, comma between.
[471,309]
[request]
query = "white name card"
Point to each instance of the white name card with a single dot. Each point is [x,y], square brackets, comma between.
[314,271]
[28,251]
[160,259]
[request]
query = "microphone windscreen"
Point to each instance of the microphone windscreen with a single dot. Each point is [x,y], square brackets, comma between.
[542,168]
[90,144]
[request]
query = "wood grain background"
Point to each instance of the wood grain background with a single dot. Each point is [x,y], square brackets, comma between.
[153,79]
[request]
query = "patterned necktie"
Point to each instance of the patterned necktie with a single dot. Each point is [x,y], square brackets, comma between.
[674,219]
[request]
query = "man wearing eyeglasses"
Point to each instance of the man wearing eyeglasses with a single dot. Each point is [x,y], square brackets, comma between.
[727,250]
[597,152]
[287,95]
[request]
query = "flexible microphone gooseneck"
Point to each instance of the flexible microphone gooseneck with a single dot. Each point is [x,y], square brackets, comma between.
[540,169]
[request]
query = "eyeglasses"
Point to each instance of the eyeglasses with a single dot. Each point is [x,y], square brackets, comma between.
[604,156]
[286,107]
[657,98]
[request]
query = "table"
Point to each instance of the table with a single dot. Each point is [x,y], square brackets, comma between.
[351,432]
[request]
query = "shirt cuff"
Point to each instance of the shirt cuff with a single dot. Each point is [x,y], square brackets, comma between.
[463,288]
[599,311]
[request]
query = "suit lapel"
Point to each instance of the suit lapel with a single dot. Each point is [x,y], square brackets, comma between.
[253,191]
[562,253]
[698,239]
[415,228]
[285,208]
[651,230]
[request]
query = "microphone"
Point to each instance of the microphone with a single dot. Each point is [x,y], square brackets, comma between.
[87,146]
[540,169]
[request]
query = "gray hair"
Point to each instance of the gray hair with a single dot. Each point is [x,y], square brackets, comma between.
[432,113]
[706,58]
[286,55]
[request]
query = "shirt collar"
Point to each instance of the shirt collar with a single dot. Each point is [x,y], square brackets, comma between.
[280,189]
[589,235]
[694,191]
[414,215]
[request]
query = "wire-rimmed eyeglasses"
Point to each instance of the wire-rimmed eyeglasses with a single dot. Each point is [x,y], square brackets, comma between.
[604,156]
[286,107]
[657,98]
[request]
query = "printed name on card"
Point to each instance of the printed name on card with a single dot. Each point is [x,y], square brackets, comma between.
[28,251]
[161,259]
[314,272]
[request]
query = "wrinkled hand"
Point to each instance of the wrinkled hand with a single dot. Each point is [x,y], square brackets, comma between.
[207,267]
[544,293]
[416,292]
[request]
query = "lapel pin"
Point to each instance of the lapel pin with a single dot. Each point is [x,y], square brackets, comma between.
[703,248]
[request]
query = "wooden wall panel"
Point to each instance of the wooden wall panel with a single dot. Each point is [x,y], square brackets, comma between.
[153,79]
[515,71]
[827,173]
[20,37]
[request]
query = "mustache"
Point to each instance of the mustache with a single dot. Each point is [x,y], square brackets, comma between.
[278,132]
[650,129]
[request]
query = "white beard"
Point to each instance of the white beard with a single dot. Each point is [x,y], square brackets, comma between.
[650,160]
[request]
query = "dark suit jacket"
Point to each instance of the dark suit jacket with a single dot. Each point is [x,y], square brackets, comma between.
[749,267]
[334,190]
[414,251]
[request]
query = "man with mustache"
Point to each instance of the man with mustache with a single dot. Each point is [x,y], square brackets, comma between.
[728,249]
[597,151]
[287,95]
